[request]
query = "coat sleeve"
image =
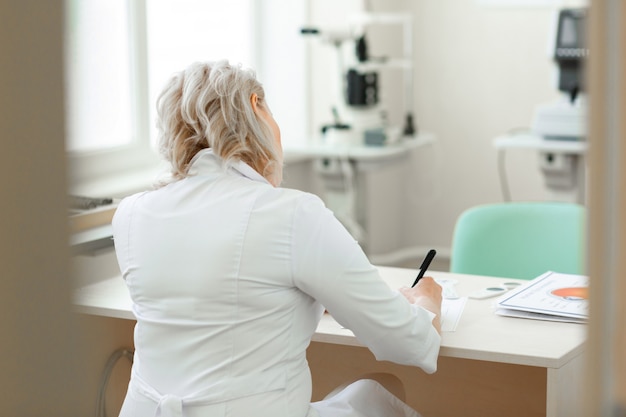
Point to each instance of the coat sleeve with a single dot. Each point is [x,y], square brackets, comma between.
[330,266]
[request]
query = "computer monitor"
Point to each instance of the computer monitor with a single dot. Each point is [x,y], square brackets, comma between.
[570,50]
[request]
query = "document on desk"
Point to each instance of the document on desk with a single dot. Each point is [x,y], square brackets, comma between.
[451,311]
[551,296]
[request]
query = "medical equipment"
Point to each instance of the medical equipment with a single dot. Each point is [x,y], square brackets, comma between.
[566,118]
[359,116]
[365,145]
[558,129]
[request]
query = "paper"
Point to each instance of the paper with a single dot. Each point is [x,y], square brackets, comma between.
[537,316]
[551,296]
[451,311]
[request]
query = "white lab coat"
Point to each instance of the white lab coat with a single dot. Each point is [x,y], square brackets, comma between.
[228,276]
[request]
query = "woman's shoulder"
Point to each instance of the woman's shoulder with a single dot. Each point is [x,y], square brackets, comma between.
[124,212]
[295,197]
[129,201]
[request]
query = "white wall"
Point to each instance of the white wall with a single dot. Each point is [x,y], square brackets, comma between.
[479,72]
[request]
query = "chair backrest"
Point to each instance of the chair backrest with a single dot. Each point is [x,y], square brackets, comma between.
[519,240]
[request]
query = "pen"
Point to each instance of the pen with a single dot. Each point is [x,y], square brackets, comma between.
[427,260]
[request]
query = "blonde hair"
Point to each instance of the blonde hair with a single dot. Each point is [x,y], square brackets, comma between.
[208,106]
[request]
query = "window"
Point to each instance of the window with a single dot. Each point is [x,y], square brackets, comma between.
[184,31]
[120,53]
[106,90]
[99,76]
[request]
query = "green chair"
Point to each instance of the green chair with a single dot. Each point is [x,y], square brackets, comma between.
[519,240]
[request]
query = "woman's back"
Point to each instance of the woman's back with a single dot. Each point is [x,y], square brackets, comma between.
[207,264]
[228,273]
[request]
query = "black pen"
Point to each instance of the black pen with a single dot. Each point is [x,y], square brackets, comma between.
[427,260]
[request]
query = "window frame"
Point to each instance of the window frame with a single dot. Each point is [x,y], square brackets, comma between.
[123,170]
[86,168]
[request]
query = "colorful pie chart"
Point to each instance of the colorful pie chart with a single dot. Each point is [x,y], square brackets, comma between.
[572,293]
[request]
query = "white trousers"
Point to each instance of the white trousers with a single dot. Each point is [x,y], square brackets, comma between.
[363,398]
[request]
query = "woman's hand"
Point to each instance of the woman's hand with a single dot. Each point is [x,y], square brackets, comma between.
[426,294]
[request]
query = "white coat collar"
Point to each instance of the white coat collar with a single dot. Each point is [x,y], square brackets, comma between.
[206,161]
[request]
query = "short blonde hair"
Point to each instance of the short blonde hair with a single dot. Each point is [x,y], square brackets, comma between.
[208,106]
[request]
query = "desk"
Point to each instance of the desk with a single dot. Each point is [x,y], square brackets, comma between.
[561,162]
[318,149]
[529,141]
[490,366]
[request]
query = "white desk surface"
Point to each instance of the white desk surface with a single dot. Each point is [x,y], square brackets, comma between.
[530,141]
[317,148]
[480,335]
[108,298]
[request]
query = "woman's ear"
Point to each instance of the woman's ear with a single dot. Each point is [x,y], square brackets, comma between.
[254,102]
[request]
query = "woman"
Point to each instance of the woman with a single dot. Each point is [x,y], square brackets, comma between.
[229,274]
